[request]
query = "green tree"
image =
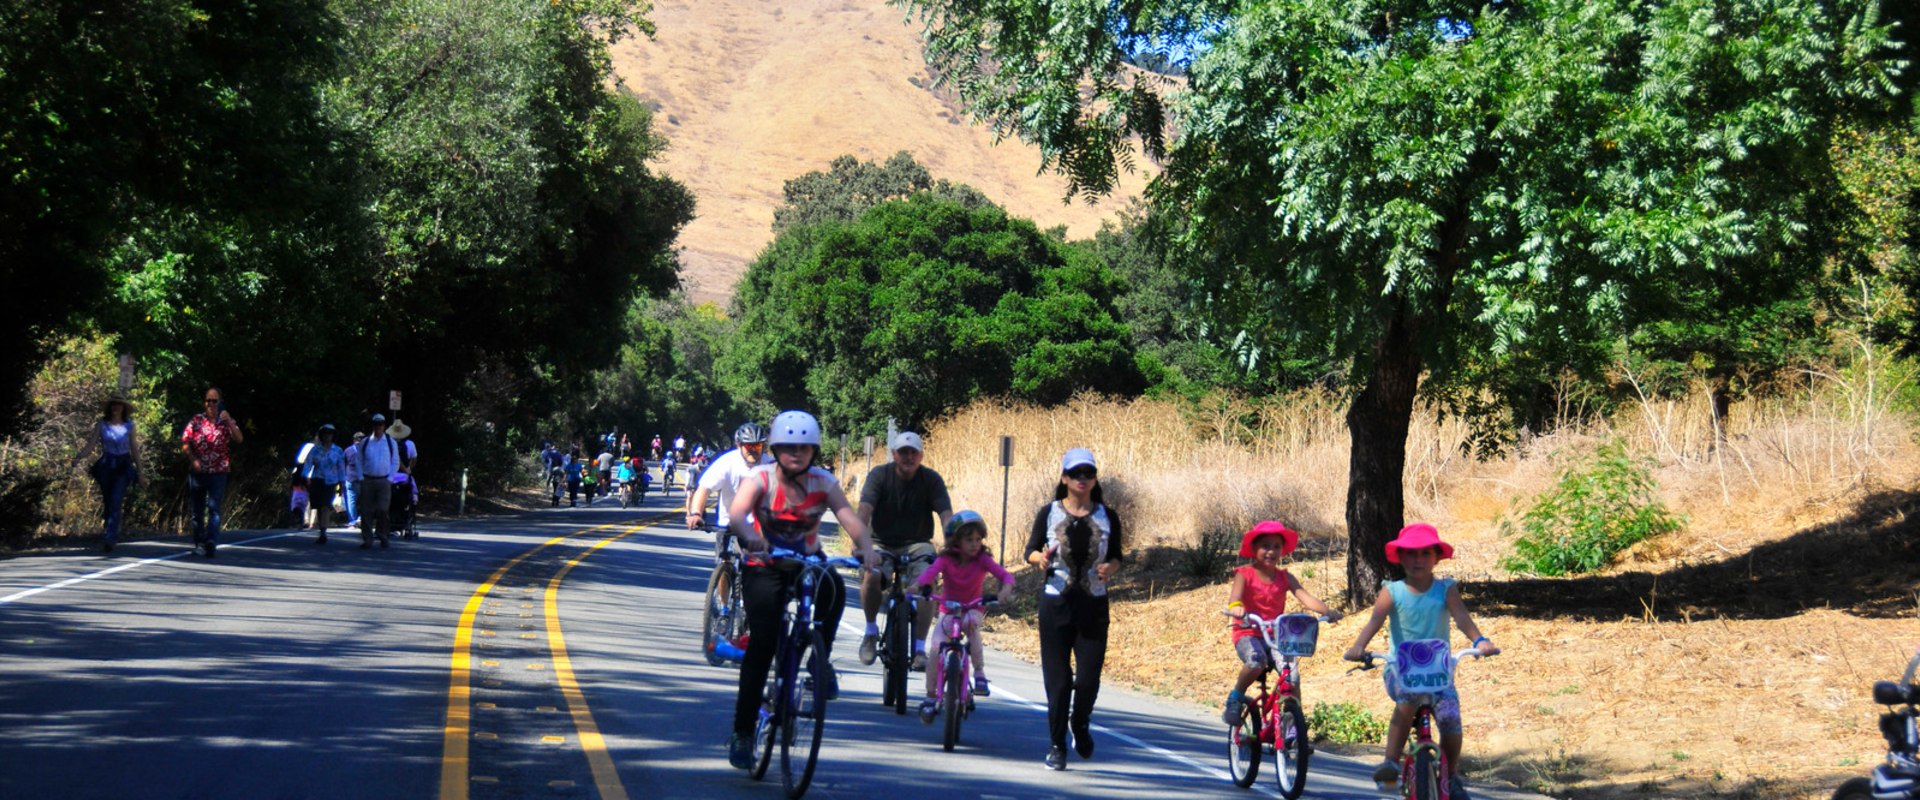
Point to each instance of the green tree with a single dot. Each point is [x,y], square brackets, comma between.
[1434,186]
[850,186]
[921,305]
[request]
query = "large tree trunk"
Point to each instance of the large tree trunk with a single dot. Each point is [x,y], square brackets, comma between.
[1377,423]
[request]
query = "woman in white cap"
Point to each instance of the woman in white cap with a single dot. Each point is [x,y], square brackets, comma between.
[1076,541]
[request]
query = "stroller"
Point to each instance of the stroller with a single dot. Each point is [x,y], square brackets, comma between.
[406,496]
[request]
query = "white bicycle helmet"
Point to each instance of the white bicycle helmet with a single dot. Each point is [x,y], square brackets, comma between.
[750,433]
[794,427]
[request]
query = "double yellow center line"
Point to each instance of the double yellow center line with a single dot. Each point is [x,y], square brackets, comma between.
[454,761]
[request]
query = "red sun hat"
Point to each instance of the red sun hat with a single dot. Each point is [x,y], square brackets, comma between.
[1289,539]
[1417,536]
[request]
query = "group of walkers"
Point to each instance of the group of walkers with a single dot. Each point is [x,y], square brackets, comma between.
[366,474]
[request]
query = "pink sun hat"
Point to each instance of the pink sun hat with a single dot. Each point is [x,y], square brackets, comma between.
[1289,539]
[1417,536]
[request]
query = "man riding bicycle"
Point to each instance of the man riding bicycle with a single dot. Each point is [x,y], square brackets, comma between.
[723,479]
[900,500]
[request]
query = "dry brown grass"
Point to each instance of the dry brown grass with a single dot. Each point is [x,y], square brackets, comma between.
[1730,659]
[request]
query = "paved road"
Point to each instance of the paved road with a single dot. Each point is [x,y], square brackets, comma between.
[552,654]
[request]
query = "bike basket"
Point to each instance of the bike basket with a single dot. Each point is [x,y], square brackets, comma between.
[1423,666]
[1296,634]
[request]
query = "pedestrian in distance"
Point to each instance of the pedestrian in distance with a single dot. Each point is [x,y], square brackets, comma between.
[208,440]
[1416,609]
[409,455]
[901,501]
[350,463]
[604,463]
[572,468]
[1076,542]
[322,465]
[118,465]
[379,458]
[1261,588]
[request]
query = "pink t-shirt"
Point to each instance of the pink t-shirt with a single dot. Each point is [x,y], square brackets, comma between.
[964,579]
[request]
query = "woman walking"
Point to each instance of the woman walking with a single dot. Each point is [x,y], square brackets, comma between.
[323,467]
[117,467]
[1076,541]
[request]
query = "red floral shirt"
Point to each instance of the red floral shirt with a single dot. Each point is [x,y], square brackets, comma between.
[208,441]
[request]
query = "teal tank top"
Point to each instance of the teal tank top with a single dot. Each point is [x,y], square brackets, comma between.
[1419,615]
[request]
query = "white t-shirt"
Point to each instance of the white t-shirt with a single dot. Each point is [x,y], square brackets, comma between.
[725,475]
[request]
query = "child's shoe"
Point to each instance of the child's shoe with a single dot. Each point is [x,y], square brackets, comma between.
[1387,774]
[1236,705]
[1456,788]
[980,687]
[928,710]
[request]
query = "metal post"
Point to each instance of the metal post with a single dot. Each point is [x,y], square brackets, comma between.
[462,508]
[1006,477]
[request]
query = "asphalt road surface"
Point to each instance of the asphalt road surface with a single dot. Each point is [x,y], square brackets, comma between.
[552,654]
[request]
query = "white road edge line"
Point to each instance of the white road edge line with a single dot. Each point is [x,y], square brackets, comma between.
[1151,748]
[26,593]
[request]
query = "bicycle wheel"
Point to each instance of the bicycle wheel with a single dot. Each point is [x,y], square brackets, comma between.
[1426,775]
[806,717]
[1854,789]
[1243,747]
[955,696]
[720,618]
[1290,750]
[899,652]
[768,730]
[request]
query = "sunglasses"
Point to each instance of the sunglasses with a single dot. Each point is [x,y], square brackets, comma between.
[1083,474]
[213,401]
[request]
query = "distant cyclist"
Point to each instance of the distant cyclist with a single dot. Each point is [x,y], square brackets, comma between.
[667,466]
[780,505]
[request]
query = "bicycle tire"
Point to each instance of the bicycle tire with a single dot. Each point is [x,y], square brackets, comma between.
[1243,747]
[715,625]
[1854,789]
[900,651]
[806,718]
[1426,775]
[1291,750]
[768,729]
[955,698]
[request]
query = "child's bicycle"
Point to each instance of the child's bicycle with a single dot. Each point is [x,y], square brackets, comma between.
[1425,671]
[794,711]
[1899,777]
[952,668]
[895,652]
[1274,719]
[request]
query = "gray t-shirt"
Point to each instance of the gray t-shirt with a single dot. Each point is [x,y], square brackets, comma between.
[903,511]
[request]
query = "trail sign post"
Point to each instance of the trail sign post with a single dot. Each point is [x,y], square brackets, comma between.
[1006,476]
[393,400]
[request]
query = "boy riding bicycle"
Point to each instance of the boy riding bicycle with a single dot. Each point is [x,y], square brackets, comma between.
[1416,609]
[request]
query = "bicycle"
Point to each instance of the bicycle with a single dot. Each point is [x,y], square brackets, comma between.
[793,699]
[896,636]
[723,623]
[626,494]
[1425,671]
[1274,718]
[1897,778]
[953,669]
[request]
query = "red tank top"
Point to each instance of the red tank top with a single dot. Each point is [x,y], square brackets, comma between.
[1268,599]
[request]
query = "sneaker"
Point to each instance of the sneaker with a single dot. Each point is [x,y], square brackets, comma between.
[1456,788]
[1082,738]
[928,710]
[1236,706]
[868,645]
[919,662]
[1387,774]
[740,751]
[1057,758]
[980,686]
[832,690]
[210,547]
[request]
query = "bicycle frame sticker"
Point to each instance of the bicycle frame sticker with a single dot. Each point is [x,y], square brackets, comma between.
[1296,635]
[1424,666]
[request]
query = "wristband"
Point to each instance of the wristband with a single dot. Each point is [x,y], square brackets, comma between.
[1476,642]
[1235,604]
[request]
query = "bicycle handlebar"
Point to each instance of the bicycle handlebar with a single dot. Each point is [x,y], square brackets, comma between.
[783,554]
[1366,661]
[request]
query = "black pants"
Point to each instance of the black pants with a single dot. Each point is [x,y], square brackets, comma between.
[764,589]
[1074,625]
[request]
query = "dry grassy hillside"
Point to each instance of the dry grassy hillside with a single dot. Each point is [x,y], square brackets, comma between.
[751,94]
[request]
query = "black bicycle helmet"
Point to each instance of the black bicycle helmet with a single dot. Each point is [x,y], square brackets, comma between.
[749,433]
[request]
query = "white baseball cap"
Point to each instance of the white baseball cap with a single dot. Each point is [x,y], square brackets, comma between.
[908,439]
[1077,457]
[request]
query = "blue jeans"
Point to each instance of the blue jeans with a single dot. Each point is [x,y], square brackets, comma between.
[205,492]
[113,491]
[352,502]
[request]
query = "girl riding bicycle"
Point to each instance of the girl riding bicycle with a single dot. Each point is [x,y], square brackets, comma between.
[1262,589]
[963,567]
[1416,609]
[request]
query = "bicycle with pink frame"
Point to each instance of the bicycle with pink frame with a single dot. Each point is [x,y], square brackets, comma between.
[952,668]
[1425,671]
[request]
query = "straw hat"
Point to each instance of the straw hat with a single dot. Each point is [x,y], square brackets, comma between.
[398,429]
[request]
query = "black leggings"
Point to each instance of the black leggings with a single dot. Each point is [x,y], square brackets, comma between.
[1073,626]
[764,589]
